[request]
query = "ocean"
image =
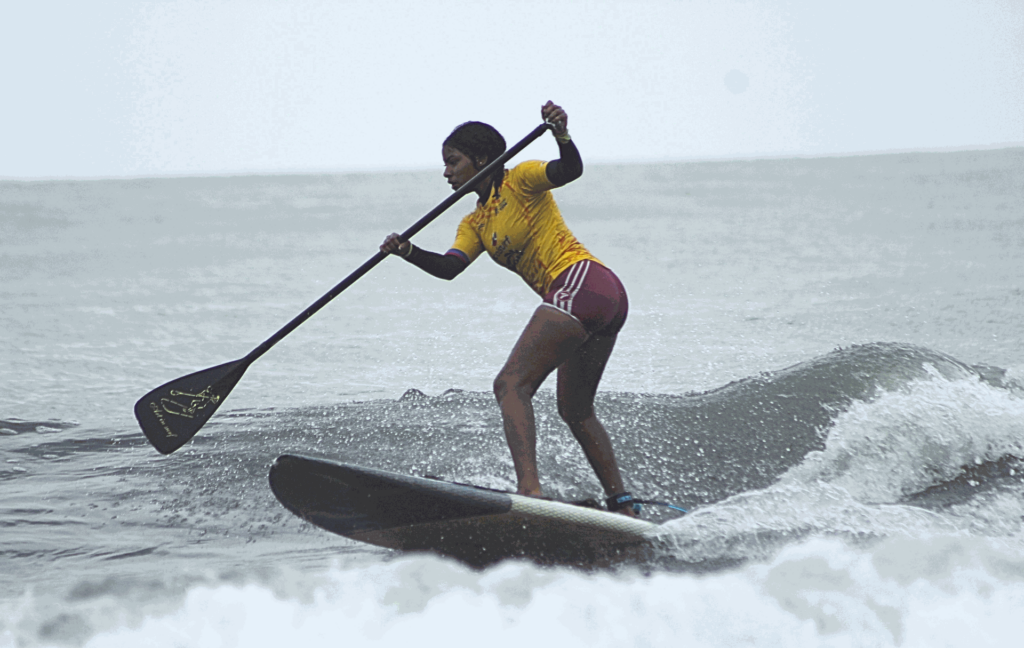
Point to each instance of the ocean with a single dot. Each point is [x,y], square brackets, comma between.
[823,361]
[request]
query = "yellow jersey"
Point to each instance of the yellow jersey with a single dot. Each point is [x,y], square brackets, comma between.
[522,229]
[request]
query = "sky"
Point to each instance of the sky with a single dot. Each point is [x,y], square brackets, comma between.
[181,87]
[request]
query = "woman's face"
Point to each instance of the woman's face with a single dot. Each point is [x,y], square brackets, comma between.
[459,168]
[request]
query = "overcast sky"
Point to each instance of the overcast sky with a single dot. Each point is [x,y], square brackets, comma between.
[130,88]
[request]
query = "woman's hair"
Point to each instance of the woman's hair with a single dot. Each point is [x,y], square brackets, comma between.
[477,139]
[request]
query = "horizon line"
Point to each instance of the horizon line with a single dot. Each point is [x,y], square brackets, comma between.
[597,162]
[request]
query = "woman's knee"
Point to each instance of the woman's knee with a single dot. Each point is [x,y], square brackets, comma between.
[574,413]
[505,383]
[500,386]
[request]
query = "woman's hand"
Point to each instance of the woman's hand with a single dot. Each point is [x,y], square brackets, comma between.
[394,245]
[556,117]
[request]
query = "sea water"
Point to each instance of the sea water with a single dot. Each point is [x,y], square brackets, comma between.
[823,361]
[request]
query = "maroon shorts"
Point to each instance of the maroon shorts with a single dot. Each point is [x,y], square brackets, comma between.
[593,295]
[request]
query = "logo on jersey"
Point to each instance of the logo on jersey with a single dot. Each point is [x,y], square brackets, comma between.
[503,253]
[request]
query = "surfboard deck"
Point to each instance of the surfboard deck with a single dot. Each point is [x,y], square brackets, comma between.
[475,525]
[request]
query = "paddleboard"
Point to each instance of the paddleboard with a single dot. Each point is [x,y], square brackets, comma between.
[476,525]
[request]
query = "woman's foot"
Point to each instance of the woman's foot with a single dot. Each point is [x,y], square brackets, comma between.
[530,492]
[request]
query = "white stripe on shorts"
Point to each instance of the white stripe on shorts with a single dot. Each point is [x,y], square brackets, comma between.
[565,295]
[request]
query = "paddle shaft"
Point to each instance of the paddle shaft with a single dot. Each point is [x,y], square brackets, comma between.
[405,236]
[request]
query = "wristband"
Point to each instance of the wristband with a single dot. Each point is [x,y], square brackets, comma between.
[563,138]
[409,253]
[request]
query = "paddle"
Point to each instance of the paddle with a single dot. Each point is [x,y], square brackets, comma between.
[172,413]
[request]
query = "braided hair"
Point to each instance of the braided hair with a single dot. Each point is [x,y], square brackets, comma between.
[477,139]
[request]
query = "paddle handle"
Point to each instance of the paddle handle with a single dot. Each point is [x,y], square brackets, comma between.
[405,236]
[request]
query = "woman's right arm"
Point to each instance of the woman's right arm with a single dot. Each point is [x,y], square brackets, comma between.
[569,164]
[443,266]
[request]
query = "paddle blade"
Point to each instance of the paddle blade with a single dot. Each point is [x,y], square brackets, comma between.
[172,413]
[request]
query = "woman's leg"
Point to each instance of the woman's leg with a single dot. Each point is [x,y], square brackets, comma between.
[549,340]
[578,378]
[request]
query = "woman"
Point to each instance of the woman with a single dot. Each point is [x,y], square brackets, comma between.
[584,306]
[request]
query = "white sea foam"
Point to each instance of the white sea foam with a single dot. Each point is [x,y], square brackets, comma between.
[943,591]
[877,454]
[908,440]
